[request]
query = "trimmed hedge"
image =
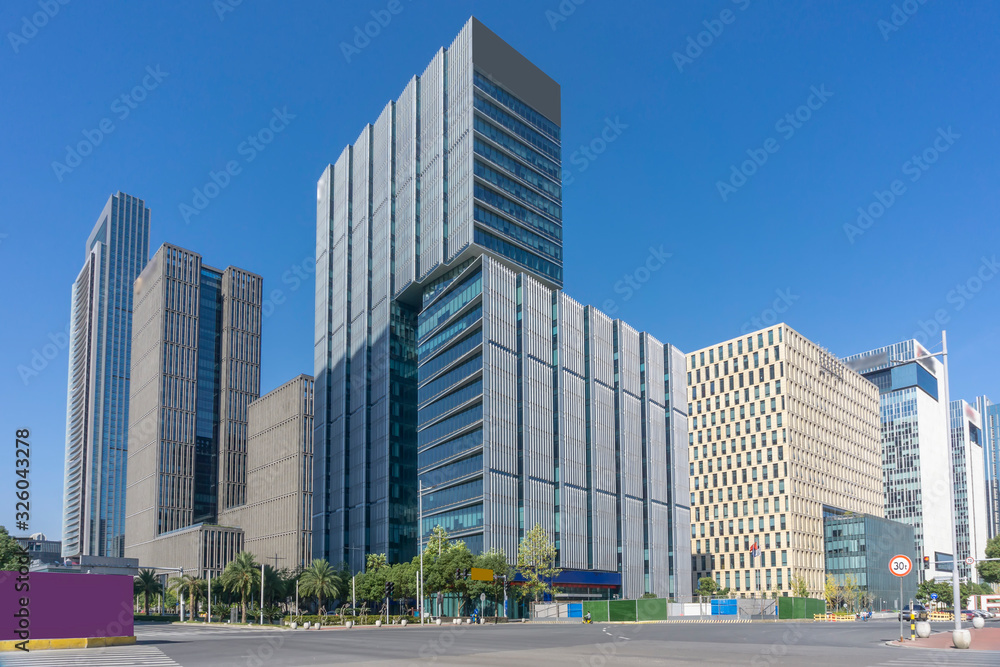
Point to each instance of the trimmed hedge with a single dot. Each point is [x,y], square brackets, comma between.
[331,619]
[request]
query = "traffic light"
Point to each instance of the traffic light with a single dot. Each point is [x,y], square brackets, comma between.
[927,562]
[389,586]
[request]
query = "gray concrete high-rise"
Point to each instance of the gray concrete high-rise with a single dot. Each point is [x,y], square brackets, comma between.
[97,401]
[196,369]
[445,350]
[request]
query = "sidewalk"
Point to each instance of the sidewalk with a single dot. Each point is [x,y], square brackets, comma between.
[987,639]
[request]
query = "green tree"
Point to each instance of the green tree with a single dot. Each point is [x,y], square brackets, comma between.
[146,583]
[707,586]
[241,576]
[192,588]
[491,560]
[536,558]
[990,570]
[849,591]
[9,551]
[830,592]
[800,588]
[321,581]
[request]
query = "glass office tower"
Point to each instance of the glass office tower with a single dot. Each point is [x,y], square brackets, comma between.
[196,369]
[97,399]
[915,451]
[439,268]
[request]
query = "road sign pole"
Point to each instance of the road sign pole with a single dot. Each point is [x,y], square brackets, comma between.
[900,609]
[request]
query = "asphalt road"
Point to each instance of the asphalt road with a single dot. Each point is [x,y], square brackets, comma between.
[755,644]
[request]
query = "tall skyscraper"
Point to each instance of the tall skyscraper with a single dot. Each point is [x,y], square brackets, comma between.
[781,434]
[196,369]
[970,485]
[914,435]
[97,401]
[990,413]
[444,342]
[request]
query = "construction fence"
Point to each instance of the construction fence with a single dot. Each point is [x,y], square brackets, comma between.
[659,609]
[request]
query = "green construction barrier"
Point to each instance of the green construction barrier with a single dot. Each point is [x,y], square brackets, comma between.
[814,607]
[651,609]
[786,608]
[598,610]
[621,610]
[800,607]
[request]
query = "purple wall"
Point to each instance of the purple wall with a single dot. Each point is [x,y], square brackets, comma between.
[66,605]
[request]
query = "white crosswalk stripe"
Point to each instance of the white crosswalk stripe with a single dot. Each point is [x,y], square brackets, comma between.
[115,656]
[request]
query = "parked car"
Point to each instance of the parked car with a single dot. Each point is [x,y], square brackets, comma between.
[919,613]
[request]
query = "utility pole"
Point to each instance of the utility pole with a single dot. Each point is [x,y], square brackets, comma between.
[262,594]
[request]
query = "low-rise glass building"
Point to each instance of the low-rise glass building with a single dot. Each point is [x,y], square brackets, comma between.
[861,545]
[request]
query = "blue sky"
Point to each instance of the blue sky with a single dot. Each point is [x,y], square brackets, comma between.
[653,127]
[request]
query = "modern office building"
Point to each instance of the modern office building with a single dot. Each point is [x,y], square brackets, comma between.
[990,413]
[41,549]
[97,401]
[914,434]
[277,517]
[861,545]
[196,369]
[444,342]
[781,432]
[970,485]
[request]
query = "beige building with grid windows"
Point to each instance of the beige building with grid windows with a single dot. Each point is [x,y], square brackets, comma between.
[779,429]
[277,518]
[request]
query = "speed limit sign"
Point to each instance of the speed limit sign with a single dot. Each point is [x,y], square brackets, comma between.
[970,561]
[900,565]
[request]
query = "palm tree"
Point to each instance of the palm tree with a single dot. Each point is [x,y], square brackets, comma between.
[146,584]
[191,586]
[240,576]
[320,580]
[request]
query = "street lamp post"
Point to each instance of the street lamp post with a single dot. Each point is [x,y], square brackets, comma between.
[420,544]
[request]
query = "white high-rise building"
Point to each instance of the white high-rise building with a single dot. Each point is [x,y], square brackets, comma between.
[914,447]
[970,485]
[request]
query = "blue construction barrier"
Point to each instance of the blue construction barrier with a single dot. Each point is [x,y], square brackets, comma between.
[725,607]
[576,610]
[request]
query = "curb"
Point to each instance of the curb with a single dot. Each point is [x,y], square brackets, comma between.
[74,642]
